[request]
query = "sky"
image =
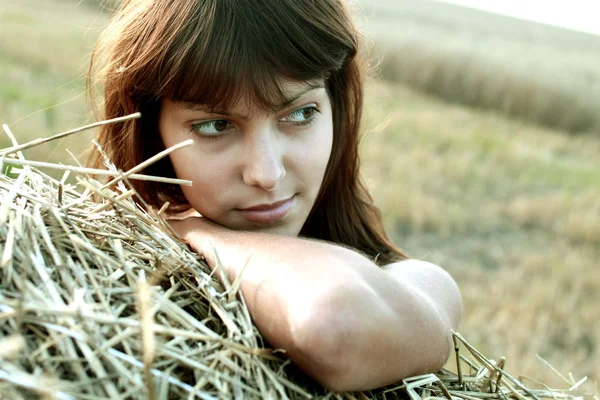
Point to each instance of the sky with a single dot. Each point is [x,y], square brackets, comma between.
[580,15]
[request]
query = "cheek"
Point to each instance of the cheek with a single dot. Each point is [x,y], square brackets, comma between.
[210,181]
[312,156]
[320,159]
[321,149]
[201,199]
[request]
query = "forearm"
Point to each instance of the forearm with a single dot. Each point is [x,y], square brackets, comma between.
[342,319]
[284,281]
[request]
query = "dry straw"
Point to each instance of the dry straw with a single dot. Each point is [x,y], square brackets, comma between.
[100,299]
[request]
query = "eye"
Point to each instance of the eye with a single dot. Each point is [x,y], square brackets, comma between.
[302,116]
[211,128]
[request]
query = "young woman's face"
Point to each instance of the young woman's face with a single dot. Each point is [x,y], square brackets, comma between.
[253,169]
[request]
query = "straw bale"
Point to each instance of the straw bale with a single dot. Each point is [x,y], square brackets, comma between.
[100,299]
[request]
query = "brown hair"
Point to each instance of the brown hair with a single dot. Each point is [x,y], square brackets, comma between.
[214,51]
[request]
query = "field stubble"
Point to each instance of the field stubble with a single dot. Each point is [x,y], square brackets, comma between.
[526,70]
[44,49]
[509,209]
[515,218]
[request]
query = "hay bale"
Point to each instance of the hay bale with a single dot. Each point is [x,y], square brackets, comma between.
[108,302]
[99,299]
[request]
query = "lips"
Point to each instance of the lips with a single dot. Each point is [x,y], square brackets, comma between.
[268,213]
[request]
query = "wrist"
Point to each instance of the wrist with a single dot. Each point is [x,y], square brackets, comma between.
[219,246]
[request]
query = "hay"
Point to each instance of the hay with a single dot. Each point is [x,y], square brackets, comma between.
[99,299]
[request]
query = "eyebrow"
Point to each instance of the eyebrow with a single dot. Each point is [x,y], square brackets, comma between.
[189,106]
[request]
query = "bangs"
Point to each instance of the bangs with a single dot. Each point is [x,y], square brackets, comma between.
[228,51]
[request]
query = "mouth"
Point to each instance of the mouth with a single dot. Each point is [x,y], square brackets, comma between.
[268,213]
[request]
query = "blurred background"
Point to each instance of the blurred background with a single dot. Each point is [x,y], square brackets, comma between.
[481,147]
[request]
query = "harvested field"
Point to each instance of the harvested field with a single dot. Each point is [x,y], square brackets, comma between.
[99,298]
[508,208]
[526,70]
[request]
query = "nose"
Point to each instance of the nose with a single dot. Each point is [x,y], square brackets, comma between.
[264,161]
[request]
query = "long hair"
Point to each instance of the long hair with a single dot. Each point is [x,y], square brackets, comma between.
[215,52]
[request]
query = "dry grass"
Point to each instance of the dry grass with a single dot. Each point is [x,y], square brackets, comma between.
[99,299]
[525,70]
[573,216]
[91,325]
[514,218]
[468,78]
[509,209]
[43,71]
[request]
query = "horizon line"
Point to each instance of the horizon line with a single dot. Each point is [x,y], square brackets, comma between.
[505,9]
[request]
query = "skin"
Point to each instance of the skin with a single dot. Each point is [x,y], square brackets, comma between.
[250,157]
[346,322]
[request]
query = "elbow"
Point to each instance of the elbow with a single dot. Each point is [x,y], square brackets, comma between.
[444,303]
[342,346]
[353,337]
[327,344]
[326,358]
[449,302]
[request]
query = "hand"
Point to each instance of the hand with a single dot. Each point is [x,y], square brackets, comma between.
[196,232]
[189,227]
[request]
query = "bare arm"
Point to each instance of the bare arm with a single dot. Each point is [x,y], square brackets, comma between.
[344,321]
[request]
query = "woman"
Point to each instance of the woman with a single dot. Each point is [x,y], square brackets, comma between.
[271,91]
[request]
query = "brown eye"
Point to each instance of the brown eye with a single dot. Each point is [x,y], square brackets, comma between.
[308,112]
[212,128]
[221,125]
[303,116]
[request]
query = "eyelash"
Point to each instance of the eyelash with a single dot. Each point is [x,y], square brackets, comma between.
[307,122]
